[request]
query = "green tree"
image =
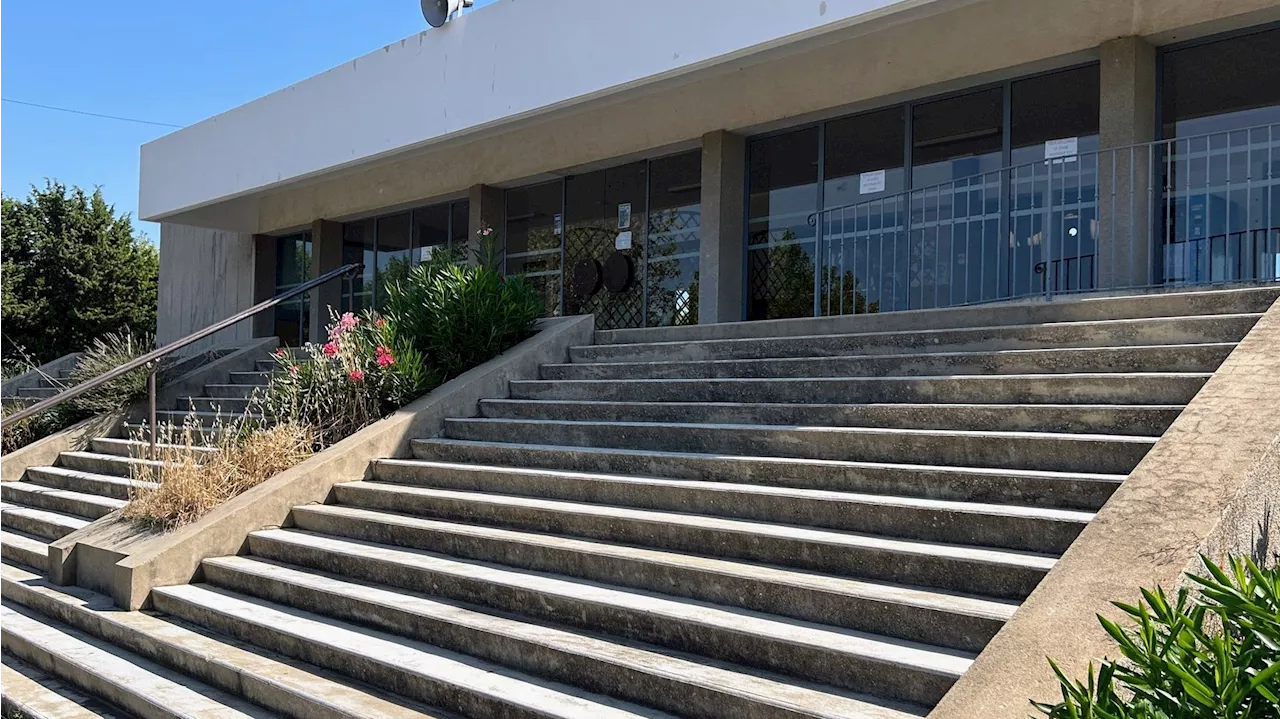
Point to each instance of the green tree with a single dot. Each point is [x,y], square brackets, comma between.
[73,270]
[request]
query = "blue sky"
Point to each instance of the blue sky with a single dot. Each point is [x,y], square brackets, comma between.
[161,60]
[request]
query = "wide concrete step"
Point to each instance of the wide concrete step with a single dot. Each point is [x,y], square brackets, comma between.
[286,686]
[25,549]
[917,614]
[40,523]
[992,525]
[1069,490]
[1141,420]
[623,669]
[256,377]
[224,418]
[1099,388]
[19,400]
[1194,329]
[182,433]
[1056,452]
[223,405]
[115,465]
[139,687]
[1155,358]
[1196,301]
[232,391]
[1005,574]
[103,485]
[857,661]
[138,448]
[28,693]
[436,676]
[78,504]
[39,392]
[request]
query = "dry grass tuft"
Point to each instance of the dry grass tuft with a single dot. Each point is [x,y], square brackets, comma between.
[193,482]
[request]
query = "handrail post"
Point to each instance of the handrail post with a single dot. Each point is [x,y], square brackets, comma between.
[151,404]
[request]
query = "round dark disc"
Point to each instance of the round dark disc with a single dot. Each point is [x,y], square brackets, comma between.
[586,277]
[618,273]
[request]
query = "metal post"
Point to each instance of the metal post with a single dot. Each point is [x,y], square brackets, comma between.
[151,405]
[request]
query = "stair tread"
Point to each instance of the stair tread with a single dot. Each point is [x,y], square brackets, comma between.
[27,489]
[860,588]
[124,446]
[648,659]
[94,476]
[808,405]
[764,489]
[951,662]
[991,471]
[105,457]
[36,550]
[295,677]
[965,378]
[408,656]
[34,693]
[85,656]
[57,522]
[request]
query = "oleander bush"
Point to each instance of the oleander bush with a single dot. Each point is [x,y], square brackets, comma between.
[1212,653]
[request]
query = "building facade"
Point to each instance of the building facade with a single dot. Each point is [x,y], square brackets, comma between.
[723,160]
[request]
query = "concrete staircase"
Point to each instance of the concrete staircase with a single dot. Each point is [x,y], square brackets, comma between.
[40,387]
[810,518]
[81,486]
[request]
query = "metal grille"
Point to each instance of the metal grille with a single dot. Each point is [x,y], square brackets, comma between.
[612,311]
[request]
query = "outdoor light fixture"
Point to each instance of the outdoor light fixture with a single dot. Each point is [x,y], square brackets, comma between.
[437,12]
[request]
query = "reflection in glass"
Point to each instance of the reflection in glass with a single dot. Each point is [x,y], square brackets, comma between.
[293,266]
[674,240]
[534,230]
[782,173]
[358,246]
[395,253]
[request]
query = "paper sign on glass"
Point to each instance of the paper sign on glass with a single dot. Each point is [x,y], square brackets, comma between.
[624,216]
[871,182]
[622,241]
[1065,147]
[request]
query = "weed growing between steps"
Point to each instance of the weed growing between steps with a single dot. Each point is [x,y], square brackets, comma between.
[1214,653]
[193,481]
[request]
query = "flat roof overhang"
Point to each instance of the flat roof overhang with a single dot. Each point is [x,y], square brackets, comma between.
[496,69]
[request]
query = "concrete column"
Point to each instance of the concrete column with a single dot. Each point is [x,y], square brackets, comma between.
[326,255]
[205,277]
[264,283]
[488,208]
[720,267]
[1127,117]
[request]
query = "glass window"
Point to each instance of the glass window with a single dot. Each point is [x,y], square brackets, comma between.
[535,224]
[395,252]
[460,217]
[674,240]
[431,229]
[782,179]
[1229,84]
[293,266]
[599,206]
[957,137]
[358,245]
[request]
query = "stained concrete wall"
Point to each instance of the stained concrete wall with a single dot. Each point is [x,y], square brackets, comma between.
[205,276]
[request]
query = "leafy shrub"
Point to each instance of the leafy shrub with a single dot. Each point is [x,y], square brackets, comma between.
[106,353]
[1212,654]
[365,370]
[193,481]
[460,316]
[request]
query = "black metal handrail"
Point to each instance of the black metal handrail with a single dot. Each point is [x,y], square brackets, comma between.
[151,360]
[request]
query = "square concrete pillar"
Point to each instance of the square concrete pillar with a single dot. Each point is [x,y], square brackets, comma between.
[264,283]
[326,255]
[1126,169]
[488,208]
[721,266]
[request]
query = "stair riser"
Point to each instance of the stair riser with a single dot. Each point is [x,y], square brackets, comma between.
[1178,330]
[359,666]
[912,623]
[226,405]
[1019,389]
[941,572]
[1035,535]
[224,420]
[663,692]
[40,392]
[1057,453]
[1051,491]
[231,391]
[22,555]
[814,663]
[1161,359]
[1012,313]
[115,467]
[1149,421]
[55,503]
[250,378]
[87,485]
[130,449]
[180,434]
[33,526]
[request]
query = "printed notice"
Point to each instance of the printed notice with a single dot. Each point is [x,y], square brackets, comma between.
[1065,147]
[624,216]
[622,241]
[871,182]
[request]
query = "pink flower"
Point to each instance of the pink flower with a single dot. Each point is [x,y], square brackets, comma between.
[356,375]
[379,323]
[293,369]
[384,357]
[280,352]
[330,349]
[346,322]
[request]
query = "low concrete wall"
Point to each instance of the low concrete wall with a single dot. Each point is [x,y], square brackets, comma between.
[44,452]
[1211,484]
[32,377]
[117,558]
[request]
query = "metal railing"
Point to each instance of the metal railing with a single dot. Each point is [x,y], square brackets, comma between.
[1186,211]
[151,360]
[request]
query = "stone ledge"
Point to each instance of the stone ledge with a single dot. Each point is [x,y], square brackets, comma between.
[1211,484]
[119,559]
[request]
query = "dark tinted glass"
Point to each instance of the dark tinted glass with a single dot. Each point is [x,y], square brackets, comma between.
[675,221]
[957,137]
[782,195]
[1225,85]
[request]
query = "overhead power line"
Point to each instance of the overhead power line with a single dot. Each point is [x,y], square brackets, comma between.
[90,114]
